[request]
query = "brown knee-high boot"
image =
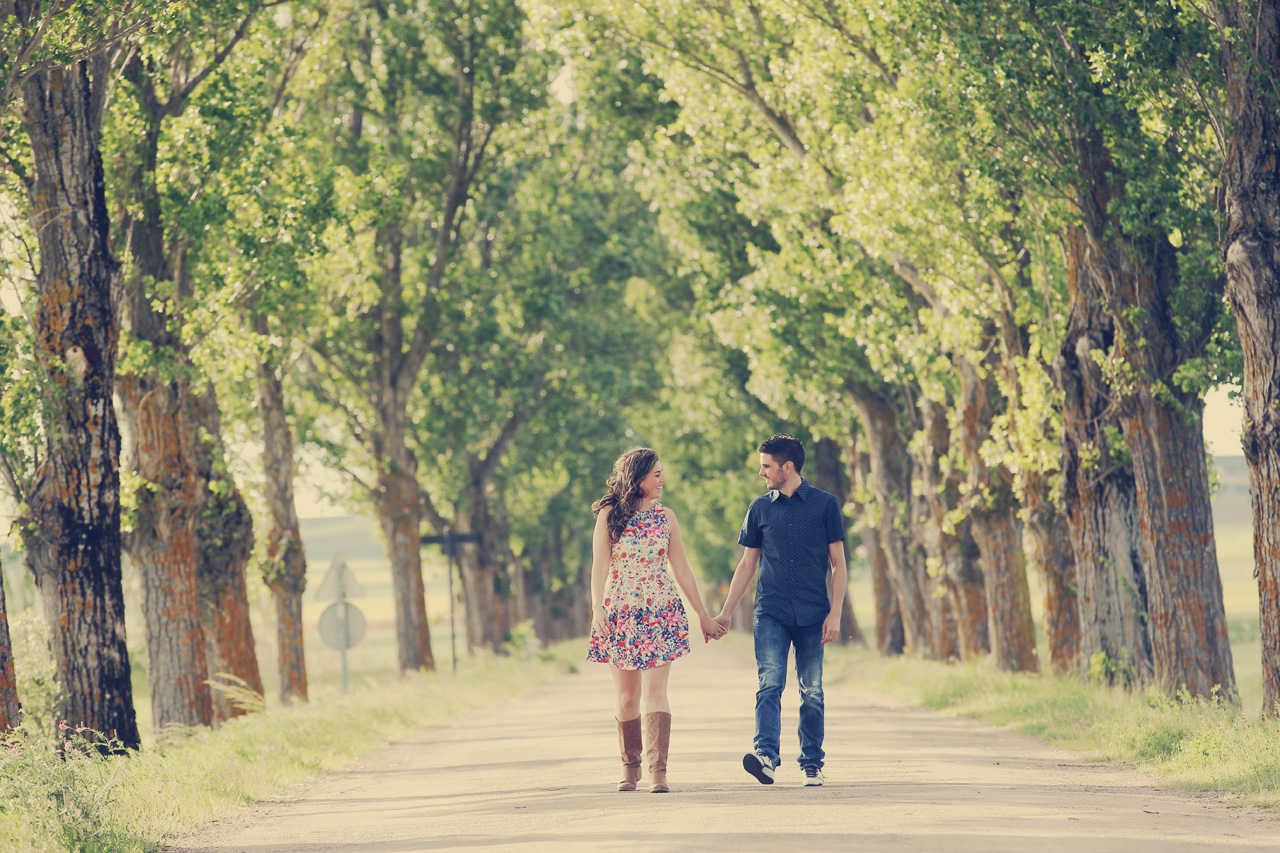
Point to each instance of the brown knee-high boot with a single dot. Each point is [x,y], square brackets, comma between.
[629,743]
[657,734]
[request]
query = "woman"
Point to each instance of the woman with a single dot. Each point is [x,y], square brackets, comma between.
[637,621]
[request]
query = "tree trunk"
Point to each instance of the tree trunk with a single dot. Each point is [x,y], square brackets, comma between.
[1187,622]
[163,434]
[1054,563]
[399,504]
[890,481]
[1013,638]
[1139,277]
[484,579]
[831,476]
[1050,553]
[285,571]
[10,708]
[560,611]
[165,546]
[963,569]
[890,639]
[72,525]
[226,544]
[1251,199]
[191,520]
[1099,492]
[952,552]
[993,512]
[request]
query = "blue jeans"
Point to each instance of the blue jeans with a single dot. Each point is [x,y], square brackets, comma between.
[773,640]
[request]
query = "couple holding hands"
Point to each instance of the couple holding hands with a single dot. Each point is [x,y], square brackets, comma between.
[794,537]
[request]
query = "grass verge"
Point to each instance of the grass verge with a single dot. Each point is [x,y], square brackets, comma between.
[137,802]
[1192,745]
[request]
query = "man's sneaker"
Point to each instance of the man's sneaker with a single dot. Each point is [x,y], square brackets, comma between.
[812,776]
[760,766]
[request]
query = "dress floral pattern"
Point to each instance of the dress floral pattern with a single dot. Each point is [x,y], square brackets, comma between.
[647,625]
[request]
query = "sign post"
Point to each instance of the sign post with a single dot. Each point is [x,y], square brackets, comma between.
[342,625]
[448,543]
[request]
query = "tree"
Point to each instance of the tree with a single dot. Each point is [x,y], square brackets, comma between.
[191,533]
[418,94]
[70,486]
[1122,158]
[1249,54]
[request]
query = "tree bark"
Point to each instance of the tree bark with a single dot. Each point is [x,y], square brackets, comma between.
[1054,563]
[1049,551]
[1187,620]
[164,433]
[557,610]
[890,639]
[226,544]
[399,502]
[165,546]
[1139,277]
[285,571]
[890,481]
[1251,199]
[483,566]
[952,552]
[10,708]
[193,534]
[1099,492]
[993,512]
[72,525]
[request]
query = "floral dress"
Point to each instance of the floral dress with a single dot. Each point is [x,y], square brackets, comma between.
[647,626]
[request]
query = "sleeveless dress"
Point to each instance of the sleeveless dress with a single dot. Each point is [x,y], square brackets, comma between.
[645,619]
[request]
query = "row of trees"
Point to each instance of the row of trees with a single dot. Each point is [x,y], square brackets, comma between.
[989,245]
[464,253]
[393,236]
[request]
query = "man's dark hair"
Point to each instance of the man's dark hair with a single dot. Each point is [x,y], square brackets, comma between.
[784,448]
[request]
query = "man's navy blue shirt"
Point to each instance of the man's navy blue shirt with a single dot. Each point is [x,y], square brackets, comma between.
[792,535]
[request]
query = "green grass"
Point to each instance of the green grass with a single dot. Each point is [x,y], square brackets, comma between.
[1192,745]
[166,790]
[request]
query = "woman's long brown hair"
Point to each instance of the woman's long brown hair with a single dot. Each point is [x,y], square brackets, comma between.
[624,493]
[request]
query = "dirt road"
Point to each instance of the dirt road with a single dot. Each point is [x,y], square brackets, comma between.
[539,774]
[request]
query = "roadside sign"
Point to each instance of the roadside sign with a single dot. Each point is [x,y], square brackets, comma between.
[342,625]
[339,582]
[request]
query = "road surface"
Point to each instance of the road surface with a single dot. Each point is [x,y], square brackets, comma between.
[538,773]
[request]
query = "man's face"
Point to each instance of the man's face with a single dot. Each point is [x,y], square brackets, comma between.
[774,474]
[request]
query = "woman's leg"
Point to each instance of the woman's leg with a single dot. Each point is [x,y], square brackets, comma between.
[657,725]
[626,683]
[654,689]
[630,735]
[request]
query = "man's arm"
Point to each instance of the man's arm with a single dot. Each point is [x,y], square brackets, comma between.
[839,581]
[742,576]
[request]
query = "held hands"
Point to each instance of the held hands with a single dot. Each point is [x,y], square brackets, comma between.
[711,628]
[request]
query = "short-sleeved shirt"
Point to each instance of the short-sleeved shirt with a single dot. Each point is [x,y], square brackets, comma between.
[793,535]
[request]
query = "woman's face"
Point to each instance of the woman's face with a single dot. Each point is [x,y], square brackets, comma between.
[651,485]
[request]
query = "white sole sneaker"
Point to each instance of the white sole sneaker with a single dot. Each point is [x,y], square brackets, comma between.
[759,767]
[813,781]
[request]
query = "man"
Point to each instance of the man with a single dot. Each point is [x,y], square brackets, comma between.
[795,536]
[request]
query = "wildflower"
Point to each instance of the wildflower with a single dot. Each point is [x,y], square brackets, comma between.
[62,725]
